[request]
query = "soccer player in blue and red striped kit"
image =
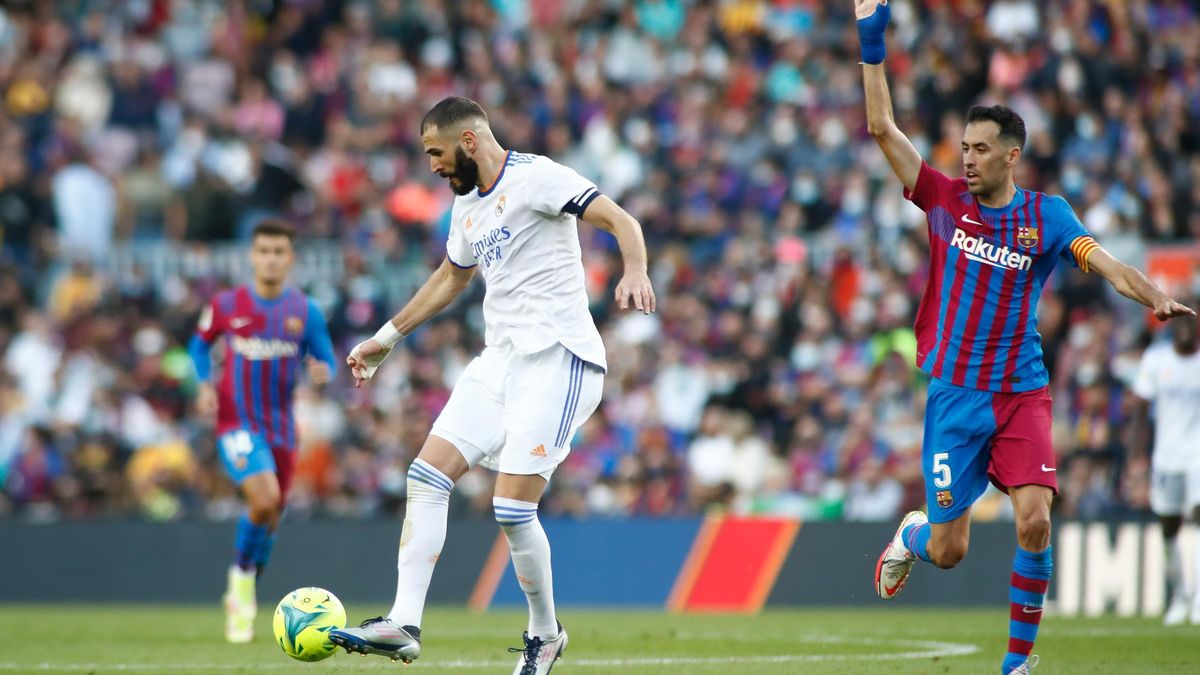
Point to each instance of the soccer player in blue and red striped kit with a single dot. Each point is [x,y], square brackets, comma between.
[270,331]
[988,414]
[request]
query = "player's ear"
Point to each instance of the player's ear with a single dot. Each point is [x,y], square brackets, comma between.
[1014,155]
[469,140]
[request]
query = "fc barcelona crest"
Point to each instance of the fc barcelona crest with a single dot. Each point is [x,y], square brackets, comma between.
[944,498]
[1027,236]
[294,325]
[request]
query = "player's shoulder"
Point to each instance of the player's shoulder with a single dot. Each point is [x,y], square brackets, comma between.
[227,299]
[947,191]
[525,159]
[1157,353]
[1052,207]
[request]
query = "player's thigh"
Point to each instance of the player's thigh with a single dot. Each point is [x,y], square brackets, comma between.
[525,488]
[1168,493]
[473,420]
[954,455]
[548,396]
[1023,449]
[285,469]
[245,453]
[262,492]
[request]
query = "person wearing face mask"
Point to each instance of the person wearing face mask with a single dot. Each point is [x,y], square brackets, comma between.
[1169,380]
[989,414]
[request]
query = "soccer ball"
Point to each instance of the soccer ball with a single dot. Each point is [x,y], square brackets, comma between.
[303,620]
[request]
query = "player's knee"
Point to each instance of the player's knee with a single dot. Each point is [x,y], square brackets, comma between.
[426,484]
[1033,531]
[511,513]
[263,509]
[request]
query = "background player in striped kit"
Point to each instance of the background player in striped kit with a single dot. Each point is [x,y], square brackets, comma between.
[270,329]
[516,406]
[988,414]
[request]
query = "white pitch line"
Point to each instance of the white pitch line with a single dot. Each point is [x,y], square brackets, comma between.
[919,649]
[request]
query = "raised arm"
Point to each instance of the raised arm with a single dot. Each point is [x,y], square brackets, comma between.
[604,213]
[1131,283]
[904,158]
[446,282]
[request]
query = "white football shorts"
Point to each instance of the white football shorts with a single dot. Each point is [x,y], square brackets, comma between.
[1174,493]
[517,413]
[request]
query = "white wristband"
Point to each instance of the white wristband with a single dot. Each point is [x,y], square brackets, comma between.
[388,335]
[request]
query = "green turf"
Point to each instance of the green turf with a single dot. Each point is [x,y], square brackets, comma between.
[149,639]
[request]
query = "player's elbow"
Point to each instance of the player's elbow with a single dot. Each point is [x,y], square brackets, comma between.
[880,127]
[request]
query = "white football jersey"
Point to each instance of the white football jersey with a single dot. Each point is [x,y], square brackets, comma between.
[521,233]
[1171,382]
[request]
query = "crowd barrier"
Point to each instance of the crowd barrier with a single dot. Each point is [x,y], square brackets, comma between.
[715,564]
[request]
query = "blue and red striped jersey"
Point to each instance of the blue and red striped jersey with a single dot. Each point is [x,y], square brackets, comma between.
[265,344]
[977,323]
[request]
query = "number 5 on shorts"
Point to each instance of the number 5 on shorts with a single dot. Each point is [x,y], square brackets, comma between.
[942,477]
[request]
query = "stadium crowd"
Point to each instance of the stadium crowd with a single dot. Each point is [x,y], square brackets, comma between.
[777,376]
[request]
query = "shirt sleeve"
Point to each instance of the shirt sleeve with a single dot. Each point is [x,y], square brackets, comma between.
[316,336]
[559,189]
[458,247]
[1076,243]
[931,185]
[208,329]
[1145,385]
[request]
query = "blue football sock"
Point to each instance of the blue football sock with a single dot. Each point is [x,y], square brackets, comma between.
[263,556]
[1026,594]
[249,542]
[916,538]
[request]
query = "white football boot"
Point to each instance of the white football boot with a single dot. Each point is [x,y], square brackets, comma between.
[539,656]
[240,606]
[1177,611]
[380,636]
[896,561]
[1024,668]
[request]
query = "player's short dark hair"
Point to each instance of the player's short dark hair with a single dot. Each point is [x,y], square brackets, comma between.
[1012,127]
[273,227]
[452,111]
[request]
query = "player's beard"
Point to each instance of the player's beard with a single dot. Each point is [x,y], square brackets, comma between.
[466,173]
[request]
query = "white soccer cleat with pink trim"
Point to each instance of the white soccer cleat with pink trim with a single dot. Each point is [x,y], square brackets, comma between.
[896,561]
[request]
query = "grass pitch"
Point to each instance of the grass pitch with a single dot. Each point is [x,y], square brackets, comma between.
[188,639]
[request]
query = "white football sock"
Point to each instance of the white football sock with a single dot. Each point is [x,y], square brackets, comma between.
[421,540]
[1194,588]
[1175,569]
[531,559]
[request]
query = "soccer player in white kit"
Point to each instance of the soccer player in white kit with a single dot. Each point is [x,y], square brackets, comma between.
[1169,378]
[517,405]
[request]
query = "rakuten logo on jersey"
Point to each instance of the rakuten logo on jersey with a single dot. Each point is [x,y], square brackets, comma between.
[984,251]
[258,349]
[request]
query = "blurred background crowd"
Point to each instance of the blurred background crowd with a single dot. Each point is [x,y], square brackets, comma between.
[141,140]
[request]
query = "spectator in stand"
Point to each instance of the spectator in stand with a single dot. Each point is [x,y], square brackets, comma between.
[137,138]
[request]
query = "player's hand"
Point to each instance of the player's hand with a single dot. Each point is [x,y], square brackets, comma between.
[364,359]
[318,371]
[206,399]
[1169,309]
[635,286]
[865,8]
